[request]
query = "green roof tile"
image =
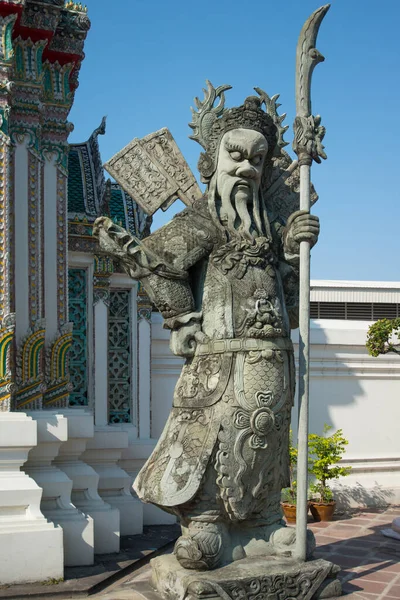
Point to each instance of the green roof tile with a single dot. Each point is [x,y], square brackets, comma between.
[76,201]
[116,206]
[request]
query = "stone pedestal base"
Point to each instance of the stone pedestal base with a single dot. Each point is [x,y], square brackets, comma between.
[56,502]
[85,482]
[31,548]
[102,453]
[266,577]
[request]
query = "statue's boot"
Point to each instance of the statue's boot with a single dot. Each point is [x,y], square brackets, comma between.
[202,546]
[283,541]
[276,540]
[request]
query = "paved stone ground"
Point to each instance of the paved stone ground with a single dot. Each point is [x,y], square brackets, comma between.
[370,562]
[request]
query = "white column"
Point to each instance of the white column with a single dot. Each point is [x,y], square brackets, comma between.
[85,479]
[102,453]
[133,430]
[21,241]
[144,375]
[85,482]
[139,450]
[22,525]
[31,548]
[101,363]
[56,502]
[128,460]
[105,449]
[50,255]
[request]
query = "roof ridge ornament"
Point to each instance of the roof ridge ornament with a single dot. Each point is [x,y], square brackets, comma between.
[76,6]
[101,129]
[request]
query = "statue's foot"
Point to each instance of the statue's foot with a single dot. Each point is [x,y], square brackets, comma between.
[283,542]
[275,540]
[201,548]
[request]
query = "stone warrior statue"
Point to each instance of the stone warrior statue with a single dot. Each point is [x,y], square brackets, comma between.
[224,275]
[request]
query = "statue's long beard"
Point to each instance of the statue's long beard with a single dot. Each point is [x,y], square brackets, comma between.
[237,216]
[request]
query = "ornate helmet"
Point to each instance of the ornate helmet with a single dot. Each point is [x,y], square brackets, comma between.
[211,122]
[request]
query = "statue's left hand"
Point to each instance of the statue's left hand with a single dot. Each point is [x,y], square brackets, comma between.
[301,226]
[112,238]
[183,340]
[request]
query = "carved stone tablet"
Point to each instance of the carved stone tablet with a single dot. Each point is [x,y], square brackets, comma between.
[153,171]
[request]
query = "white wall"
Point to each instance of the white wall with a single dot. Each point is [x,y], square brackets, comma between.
[348,390]
[165,370]
[360,394]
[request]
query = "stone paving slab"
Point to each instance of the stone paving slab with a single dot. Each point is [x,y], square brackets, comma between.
[370,562]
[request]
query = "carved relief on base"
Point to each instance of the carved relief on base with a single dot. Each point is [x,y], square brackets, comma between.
[258,578]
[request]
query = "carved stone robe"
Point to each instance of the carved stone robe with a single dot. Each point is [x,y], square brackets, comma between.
[232,402]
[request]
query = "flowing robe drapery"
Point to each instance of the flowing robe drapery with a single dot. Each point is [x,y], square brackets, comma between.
[232,402]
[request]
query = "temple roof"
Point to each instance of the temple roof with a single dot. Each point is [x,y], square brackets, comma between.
[89,195]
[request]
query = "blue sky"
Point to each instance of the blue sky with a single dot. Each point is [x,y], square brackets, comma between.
[147,59]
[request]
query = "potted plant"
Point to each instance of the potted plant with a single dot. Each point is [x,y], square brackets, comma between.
[383,337]
[289,502]
[325,452]
[289,495]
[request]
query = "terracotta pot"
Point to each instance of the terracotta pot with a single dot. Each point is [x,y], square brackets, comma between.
[322,511]
[289,510]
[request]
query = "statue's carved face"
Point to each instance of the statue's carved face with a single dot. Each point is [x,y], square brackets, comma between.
[240,164]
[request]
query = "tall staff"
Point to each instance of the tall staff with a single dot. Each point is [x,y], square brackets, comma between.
[308,135]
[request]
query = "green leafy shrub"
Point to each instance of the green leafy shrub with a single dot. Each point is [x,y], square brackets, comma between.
[325,452]
[321,493]
[290,494]
[379,337]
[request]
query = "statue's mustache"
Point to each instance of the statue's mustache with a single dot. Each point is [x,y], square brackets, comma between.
[243,182]
[243,190]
